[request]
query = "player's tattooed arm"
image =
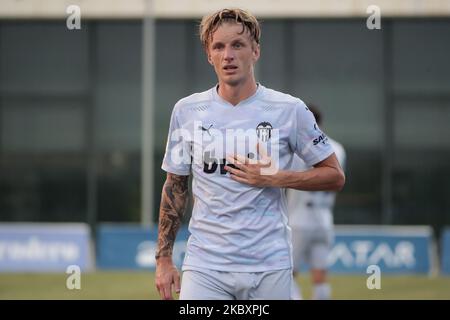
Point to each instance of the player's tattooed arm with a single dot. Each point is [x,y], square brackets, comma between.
[174,200]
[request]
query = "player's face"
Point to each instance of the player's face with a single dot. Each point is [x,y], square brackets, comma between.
[232,54]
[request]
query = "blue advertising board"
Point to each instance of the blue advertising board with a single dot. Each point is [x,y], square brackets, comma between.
[133,247]
[394,249]
[35,247]
[445,252]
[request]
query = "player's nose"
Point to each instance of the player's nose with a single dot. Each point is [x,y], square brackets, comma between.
[228,54]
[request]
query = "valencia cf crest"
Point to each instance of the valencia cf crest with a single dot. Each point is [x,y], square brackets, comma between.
[264,131]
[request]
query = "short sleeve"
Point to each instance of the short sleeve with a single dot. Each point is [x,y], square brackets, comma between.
[340,153]
[177,157]
[311,144]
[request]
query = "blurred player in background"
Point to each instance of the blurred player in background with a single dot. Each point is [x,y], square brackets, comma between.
[240,244]
[311,220]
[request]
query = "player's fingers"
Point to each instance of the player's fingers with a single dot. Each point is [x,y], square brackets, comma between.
[237,163]
[241,159]
[235,172]
[160,288]
[159,291]
[239,179]
[237,160]
[264,157]
[265,161]
[177,283]
[261,150]
[167,292]
[164,289]
[231,158]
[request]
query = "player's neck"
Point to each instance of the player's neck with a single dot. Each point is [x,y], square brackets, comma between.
[236,94]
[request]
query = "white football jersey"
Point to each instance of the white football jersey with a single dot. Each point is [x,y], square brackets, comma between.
[236,227]
[313,209]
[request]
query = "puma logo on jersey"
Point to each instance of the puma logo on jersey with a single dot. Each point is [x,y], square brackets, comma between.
[207,130]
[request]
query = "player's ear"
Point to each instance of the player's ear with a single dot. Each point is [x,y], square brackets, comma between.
[208,55]
[256,52]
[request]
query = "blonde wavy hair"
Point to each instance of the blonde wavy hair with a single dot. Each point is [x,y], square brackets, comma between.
[211,22]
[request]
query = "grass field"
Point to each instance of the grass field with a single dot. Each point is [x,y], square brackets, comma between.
[140,285]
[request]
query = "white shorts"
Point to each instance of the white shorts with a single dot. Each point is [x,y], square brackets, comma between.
[218,285]
[311,248]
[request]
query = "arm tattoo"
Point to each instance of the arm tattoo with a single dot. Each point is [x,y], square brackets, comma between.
[173,203]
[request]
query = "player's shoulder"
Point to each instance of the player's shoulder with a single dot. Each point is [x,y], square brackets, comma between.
[198,99]
[278,98]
